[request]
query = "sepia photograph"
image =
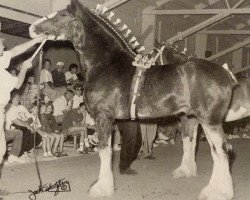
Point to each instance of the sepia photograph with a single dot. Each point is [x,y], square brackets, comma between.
[125,99]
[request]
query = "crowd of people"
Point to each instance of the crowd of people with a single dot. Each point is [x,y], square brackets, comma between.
[55,109]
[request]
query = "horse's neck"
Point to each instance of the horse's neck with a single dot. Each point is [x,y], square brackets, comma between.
[173,58]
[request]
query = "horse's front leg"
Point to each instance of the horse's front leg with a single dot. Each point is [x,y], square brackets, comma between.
[188,166]
[105,183]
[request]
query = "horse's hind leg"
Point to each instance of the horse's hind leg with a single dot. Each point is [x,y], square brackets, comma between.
[188,166]
[220,186]
[105,183]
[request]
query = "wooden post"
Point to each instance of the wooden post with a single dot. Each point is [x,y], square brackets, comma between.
[200,45]
[147,21]
[237,58]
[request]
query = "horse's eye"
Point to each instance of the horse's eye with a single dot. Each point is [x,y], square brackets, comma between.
[63,14]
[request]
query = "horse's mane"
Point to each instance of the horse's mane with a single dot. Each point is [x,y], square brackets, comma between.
[110,28]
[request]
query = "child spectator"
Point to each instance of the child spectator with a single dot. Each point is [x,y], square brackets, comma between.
[46,75]
[56,130]
[48,127]
[70,75]
[48,139]
[78,97]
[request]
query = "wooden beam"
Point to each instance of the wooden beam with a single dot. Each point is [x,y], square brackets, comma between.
[227,32]
[227,3]
[162,2]
[111,4]
[239,3]
[18,16]
[242,69]
[198,27]
[35,7]
[199,11]
[236,46]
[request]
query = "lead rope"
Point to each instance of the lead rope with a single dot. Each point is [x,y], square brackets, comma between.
[38,103]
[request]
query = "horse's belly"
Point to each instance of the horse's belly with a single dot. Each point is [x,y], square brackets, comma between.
[240,113]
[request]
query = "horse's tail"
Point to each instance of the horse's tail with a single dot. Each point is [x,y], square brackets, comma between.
[231,75]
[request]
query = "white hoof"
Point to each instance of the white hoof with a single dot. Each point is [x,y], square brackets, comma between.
[209,193]
[101,189]
[184,172]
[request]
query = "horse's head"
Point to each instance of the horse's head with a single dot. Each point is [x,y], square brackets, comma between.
[62,24]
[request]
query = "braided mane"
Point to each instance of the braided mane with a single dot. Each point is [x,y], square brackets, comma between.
[114,30]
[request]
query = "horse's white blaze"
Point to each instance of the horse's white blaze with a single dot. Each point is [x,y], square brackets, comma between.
[234,115]
[51,15]
[188,166]
[105,184]
[220,186]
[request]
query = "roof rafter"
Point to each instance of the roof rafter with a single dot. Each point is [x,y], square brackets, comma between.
[228,32]
[199,11]
[226,51]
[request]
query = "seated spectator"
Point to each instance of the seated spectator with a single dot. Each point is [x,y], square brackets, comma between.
[16,137]
[71,77]
[47,138]
[56,130]
[18,117]
[58,76]
[78,97]
[76,122]
[29,94]
[62,105]
[51,93]
[45,75]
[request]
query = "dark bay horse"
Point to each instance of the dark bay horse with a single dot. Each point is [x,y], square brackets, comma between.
[196,87]
[239,107]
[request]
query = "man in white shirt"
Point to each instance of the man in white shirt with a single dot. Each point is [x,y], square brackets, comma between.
[70,75]
[16,115]
[8,82]
[62,105]
[46,75]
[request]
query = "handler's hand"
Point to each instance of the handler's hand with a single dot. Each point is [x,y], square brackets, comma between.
[27,64]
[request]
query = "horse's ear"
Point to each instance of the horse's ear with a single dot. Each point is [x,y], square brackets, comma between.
[73,6]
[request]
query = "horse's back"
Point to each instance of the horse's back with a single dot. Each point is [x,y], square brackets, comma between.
[198,86]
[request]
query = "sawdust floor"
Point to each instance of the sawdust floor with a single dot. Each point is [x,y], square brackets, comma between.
[153,182]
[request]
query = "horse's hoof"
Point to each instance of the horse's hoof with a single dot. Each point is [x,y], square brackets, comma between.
[101,189]
[209,193]
[182,172]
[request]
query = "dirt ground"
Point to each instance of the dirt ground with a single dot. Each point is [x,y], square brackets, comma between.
[154,181]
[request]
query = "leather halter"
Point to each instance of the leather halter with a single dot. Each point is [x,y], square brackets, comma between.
[56,30]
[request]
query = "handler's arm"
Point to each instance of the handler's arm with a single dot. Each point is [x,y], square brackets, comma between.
[23,47]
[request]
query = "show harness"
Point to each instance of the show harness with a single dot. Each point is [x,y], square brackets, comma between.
[142,63]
